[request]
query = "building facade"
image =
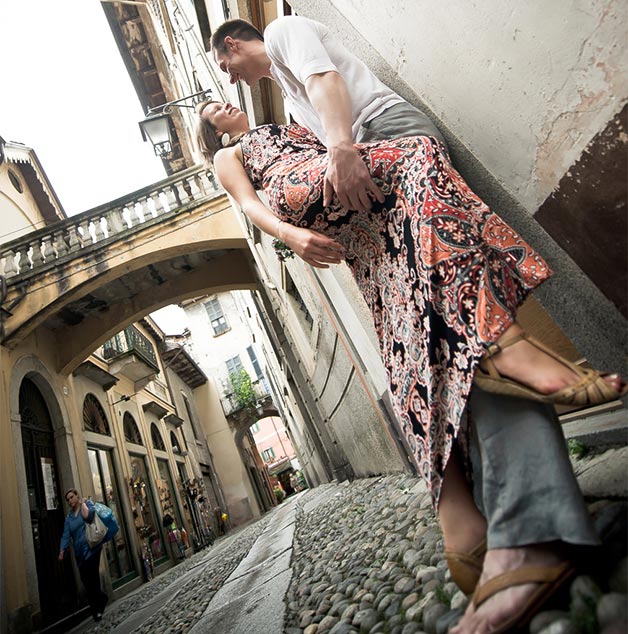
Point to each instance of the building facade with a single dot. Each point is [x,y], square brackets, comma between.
[130,425]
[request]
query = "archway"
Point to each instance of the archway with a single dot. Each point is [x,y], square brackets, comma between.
[278,455]
[55,580]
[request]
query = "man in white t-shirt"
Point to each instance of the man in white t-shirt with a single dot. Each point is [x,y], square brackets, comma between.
[327,89]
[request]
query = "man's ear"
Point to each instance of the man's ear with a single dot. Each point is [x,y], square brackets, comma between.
[230,43]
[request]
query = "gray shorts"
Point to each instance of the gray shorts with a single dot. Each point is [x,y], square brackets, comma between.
[399,120]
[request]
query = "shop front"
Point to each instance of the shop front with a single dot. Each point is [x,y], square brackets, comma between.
[106,490]
[145,517]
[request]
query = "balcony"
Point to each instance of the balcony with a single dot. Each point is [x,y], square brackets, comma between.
[230,403]
[132,355]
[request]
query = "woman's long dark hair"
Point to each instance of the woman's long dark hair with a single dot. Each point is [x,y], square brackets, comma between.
[206,135]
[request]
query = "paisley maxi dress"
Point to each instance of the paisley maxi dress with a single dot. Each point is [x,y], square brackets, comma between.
[442,274]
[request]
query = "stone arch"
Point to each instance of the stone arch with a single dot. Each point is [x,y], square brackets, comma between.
[32,368]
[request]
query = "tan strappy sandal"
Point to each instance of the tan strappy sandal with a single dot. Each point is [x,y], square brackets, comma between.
[465,568]
[550,579]
[590,389]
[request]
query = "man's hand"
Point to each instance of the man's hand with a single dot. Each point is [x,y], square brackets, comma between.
[312,247]
[347,176]
[60,558]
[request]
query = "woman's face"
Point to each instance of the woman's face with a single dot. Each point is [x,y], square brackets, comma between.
[225,118]
[72,499]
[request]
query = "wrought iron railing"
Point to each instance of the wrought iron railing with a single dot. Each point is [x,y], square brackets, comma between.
[130,340]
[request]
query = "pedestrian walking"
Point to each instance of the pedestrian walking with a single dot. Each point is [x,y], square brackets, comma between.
[82,512]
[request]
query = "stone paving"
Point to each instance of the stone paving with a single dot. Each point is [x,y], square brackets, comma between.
[182,593]
[367,558]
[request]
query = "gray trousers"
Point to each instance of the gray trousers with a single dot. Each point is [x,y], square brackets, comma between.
[399,120]
[523,480]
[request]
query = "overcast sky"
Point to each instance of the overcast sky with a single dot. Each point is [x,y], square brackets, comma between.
[65,92]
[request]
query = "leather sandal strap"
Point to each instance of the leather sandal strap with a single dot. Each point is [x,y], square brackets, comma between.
[464,558]
[518,577]
[496,347]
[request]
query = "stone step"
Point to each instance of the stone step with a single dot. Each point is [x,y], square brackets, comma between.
[607,428]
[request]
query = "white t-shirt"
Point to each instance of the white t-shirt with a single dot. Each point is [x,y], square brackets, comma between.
[297,48]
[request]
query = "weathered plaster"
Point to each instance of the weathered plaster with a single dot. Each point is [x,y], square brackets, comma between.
[524,86]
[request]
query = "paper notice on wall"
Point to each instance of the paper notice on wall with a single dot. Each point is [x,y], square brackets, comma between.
[49,483]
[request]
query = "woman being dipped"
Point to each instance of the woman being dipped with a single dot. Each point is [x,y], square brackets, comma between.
[443,277]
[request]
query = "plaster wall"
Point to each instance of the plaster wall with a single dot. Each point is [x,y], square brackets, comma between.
[230,469]
[271,434]
[197,445]
[571,299]
[18,210]
[210,351]
[525,86]
[191,430]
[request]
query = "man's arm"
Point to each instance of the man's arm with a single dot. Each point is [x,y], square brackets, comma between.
[346,174]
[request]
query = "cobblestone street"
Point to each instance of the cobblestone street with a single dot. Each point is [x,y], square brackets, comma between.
[365,556]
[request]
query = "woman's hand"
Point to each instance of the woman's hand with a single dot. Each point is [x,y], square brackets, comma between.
[84,509]
[312,247]
[61,554]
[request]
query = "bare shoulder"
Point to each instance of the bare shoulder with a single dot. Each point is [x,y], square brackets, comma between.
[227,157]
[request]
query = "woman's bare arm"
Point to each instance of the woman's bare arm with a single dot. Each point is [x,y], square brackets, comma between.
[313,247]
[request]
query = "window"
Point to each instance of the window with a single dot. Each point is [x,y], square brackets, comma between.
[254,361]
[234,365]
[158,441]
[268,455]
[188,409]
[174,441]
[15,181]
[254,428]
[216,317]
[106,491]
[94,417]
[131,431]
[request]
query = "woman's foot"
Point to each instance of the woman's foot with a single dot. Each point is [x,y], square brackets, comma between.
[496,613]
[518,365]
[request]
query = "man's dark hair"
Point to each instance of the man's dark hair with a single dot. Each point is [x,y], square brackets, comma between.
[238,30]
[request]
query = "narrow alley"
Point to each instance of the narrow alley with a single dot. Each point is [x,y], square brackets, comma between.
[363,556]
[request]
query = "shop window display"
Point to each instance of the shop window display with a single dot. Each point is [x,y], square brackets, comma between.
[146,524]
[106,491]
[200,511]
[177,535]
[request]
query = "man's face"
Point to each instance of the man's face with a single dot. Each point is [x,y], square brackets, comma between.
[237,62]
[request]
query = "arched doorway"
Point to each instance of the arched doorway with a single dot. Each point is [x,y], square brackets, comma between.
[57,589]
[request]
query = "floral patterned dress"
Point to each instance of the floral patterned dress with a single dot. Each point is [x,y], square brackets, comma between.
[442,275]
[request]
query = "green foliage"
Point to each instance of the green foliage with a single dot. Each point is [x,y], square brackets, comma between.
[243,389]
[576,448]
[279,494]
[441,595]
[583,613]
